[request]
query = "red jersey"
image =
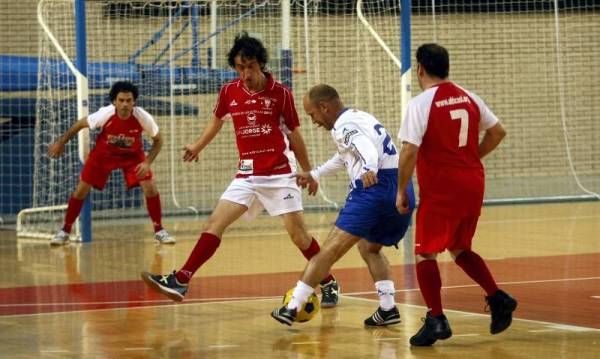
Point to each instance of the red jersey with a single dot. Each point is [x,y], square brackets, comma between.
[120,136]
[444,121]
[262,120]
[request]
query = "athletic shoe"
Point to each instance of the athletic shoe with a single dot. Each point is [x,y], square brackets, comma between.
[284,315]
[330,294]
[434,328]
[166,284]
[502,306]
[163,237]
[60,238]
[382,317]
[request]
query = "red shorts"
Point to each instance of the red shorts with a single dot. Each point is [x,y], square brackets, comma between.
[435,233]
[98,167]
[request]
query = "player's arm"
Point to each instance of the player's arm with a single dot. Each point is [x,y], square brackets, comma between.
[491,139]
[57,148]
[143,168]
[406,166]
[299,147]
[157,143]
[333,165]
[365,150]
[311,178]
[192,150]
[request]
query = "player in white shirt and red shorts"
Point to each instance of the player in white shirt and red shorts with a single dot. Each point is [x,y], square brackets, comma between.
[118,146]
[440,136]
[369,217]
[269,142]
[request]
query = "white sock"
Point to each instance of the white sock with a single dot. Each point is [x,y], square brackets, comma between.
[300,295]
[386,291]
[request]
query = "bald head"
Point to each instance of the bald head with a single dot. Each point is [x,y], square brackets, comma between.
[322,93]
[323,104]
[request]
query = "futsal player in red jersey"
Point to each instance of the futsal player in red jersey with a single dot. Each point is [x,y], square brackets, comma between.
[118,146]
[269,142]
[440,135]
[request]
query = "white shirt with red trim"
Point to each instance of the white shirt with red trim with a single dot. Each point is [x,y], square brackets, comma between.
[121,136]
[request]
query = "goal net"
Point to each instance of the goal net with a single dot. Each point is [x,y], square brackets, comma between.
[529,61]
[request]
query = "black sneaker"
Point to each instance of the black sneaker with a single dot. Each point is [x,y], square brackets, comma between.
[434,328]
[501,305]
[382,317]
[166,284]
[330,294]
[284,315]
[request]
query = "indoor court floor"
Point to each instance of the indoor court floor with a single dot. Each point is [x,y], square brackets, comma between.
[87,301]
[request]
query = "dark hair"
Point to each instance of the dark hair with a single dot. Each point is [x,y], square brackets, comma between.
[322,93]
[435,59]
[123,86]
[248,48]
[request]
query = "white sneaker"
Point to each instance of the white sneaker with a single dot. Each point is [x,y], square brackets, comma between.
[163,237]
[59,238]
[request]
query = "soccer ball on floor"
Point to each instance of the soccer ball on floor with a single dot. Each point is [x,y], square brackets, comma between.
[308,310]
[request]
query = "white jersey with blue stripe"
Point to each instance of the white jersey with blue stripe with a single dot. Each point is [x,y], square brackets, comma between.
[363,144]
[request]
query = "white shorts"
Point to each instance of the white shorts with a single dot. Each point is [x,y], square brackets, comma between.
[277,194]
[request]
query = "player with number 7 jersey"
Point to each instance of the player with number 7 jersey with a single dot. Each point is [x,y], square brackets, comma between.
[444,121]
[440,136]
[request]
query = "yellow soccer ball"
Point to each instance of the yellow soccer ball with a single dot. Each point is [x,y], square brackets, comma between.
[308,310]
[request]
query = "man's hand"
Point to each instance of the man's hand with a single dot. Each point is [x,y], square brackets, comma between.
[368,179]
[56,149]
[142,169]
[304,179]
[402,202]
[190,153]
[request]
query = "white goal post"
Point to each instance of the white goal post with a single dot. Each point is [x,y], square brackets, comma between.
[34,222]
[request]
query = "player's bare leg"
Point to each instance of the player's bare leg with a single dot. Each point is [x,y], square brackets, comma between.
[338,242]
[296,228]
[379,267]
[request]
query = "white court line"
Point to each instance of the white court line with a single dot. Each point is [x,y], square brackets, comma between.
[500,283]
[223,346]
[541,330]
[573,328]
[138,348]
[210,301]
[545,219]
[235,299]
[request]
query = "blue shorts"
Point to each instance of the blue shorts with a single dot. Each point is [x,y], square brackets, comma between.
[371,213]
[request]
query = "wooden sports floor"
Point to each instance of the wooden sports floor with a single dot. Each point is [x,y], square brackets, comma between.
[87,301]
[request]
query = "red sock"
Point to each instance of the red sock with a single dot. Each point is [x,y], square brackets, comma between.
[73,209]
[475,267]
[310,252]
[155,212]
[205,247]
[430,282]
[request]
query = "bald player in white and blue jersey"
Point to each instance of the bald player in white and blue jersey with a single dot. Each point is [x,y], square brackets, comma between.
[369,217]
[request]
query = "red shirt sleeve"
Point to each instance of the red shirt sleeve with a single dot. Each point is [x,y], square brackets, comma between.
[288,110]
[222,108]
